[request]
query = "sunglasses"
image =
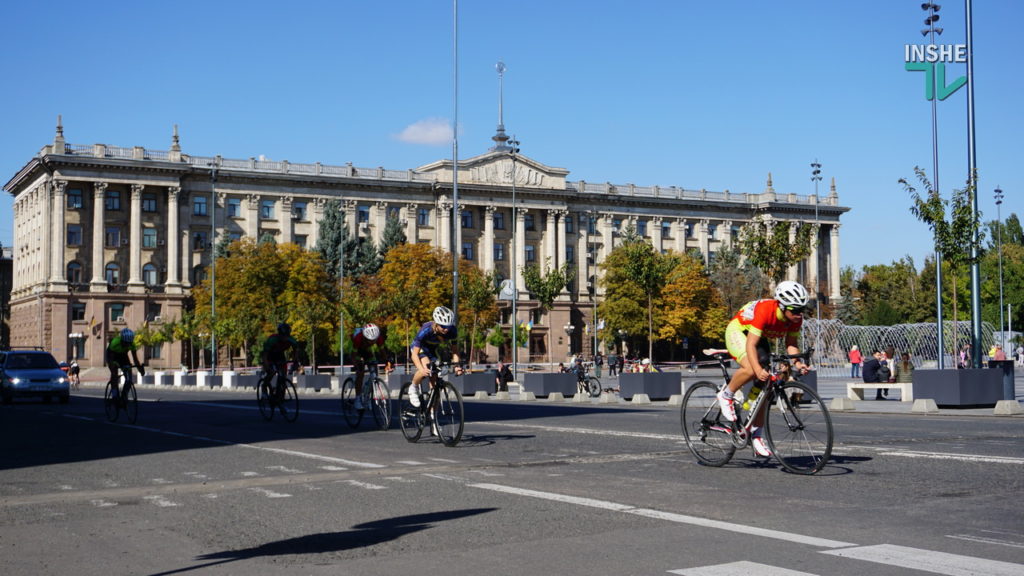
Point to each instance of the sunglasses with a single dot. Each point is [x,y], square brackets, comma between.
[796,309]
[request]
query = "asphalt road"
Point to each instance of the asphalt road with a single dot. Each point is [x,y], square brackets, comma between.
[202,485]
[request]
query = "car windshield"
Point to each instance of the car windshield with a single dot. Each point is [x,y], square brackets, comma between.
[31,362]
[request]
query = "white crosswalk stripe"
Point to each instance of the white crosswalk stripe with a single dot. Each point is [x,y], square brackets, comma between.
[742,568]
[929,561]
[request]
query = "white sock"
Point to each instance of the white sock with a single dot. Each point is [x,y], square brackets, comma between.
[726,393]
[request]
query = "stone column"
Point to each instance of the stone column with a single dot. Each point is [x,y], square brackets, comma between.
[252,218]
[135,283]
[443,230]
[583,267]
[520,248]
[379,222]
[351,219]
[791,272]
[487,258]
[550,259]
[813,282]
[173,241]
[833,260]
[703,240]
[681,235]
[656,234]
[560,216]
[58,283]
[726,233]
[606,236]
[285,219]
[98,283]
[317,206]
[411,221]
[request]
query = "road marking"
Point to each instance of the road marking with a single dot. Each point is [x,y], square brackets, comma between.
[667,516]
[930,561]
[742,568]
[960,457]
[984,540]
[160,501]
[271,493]
[366,485]
[594,431]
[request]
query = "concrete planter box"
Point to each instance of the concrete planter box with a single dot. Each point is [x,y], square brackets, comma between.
[161,379]
[245,381]
[543,384]
[810,380]
[657,385]
[959,388]
[470,384]
[313,381]
[207,380]
[395,381]
[184,379]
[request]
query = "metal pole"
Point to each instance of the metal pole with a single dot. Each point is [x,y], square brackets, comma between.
[816,176]
[515,286]
[931,8]
[999,231]
[341,295]
[213,269]
[456,220]
[972,181]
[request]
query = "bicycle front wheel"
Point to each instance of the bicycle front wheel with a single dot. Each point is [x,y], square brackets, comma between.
[348,403]
[410,418]
[799,429]
[447,415]
[380,403]
[707,432]
[131,403]
[264,400]
[593,387]
[289,405]
[109,403]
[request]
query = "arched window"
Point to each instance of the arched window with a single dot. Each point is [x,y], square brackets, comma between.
[74,273]
[149,275]
[113,273]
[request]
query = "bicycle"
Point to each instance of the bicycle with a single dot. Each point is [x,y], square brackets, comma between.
[797,424]
[375,395]
[127,400]
[587,384]
[440,408]
[280,396]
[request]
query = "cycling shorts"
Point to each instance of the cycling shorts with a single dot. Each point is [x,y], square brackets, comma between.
[736,343]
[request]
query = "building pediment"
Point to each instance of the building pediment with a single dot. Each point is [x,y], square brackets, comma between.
[496,168]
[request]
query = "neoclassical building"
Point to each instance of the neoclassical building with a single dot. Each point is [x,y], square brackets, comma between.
[107,237]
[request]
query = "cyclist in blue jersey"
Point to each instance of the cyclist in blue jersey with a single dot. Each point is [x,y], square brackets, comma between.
[424,347]
[117,358]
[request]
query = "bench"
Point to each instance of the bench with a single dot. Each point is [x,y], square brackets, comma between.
[855,390]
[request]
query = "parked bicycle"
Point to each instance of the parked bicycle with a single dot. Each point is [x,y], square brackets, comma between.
[277,395]
[440,410]
[798,426]
[375,396]
[126,401]
[586,384]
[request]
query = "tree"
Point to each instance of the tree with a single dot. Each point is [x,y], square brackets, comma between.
[546,287]
[690,305]
[308,298]
[394,234]
[649,271]
[478,297]
[766,244]
[412,297]
[735,279]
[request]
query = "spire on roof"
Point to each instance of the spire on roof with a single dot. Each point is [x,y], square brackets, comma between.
[500,138]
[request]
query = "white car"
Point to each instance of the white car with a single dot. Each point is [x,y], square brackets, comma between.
[28,373]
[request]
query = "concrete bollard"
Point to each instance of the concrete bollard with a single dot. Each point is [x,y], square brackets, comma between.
[480,395]
[1008,408]
[556,397]
[926,405]
[527,396]
[502,395]
[607,398]
[675,400]
[839,404]
[581,397]
[640,399]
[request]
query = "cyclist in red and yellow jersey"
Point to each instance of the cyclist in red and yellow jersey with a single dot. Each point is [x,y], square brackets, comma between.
[747,338]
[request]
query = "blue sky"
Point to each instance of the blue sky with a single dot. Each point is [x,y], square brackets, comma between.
[687,93]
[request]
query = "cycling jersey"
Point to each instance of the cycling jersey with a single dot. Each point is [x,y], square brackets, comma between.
[427,340]
[275,347]
[365,349]
[117,352]
[766,319]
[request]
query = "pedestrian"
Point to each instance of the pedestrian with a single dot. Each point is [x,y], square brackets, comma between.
[906,368]
[502,377]
[613,363]
[855,361]
[872,371]
[1020,355]
[598,363]
[1000,354]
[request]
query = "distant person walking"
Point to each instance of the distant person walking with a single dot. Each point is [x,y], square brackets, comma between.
[855,361]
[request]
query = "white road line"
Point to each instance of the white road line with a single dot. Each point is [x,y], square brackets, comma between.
[160,501]
[271,493]
[930,561]
[594,431]
[960,457]
[667,516]
[365,485]
[984,540]
[742,568]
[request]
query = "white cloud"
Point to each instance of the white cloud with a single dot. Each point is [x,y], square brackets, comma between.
[432,131]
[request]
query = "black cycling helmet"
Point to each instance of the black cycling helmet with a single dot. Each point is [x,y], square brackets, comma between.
[284,328]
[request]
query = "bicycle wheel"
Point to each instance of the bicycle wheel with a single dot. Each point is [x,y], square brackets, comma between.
[707,432]
[799,429]
[131,403]
[348,403]
[109,404]
[410,418]
[593,386]
[264,400]
[380,403]
[447,414]
[289,405]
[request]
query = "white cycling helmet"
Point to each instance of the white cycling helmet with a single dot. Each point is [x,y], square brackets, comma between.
[444,316]
[371,332]
[791,294]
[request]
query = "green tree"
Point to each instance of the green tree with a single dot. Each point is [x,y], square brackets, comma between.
[545,287]
[735,279]
[690,305]
[478,297]
[649,271]
[394,235]
[308,298]
[766,244]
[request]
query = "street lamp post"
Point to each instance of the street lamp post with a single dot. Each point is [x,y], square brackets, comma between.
[999,231]
[816,177]
[514,151]
[569,329]
[931,8]
[213,267]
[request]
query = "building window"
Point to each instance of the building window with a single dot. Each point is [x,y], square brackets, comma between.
[301,240]
[467,219]
[531,253]
[617,224]
[393,213]
[75,199]
[149,202]
[112,274]
[234,207]
[363,214]
[199,206]
[591,225]
[666,229]
[712,231]
[299,210]
[266,209]
[112,237]
[528,222]
[112,200]
[77,311]
[149,276]
[149,237]
[467,250]
[199,241]
[641,227]
[423,217]
[155,351]
[74,235]
[74,273]
[117,312]
[569,224]
[499,220]
[570,254]
[499,252]
[689,230]
[233,237]
[153,312]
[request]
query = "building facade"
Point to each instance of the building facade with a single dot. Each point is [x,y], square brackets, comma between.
[109,237]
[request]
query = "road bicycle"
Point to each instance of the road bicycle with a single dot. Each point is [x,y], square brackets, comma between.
[797,424]
[375,397]
[440,409]
[126,401]
[277,395]
[587,384]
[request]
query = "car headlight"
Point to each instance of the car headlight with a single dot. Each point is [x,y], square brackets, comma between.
[60,380]
[15,381]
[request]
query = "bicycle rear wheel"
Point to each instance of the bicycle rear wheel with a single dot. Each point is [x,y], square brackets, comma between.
[448,415]
[289,405]
[109,403]
[348,403]
[410,418]
[593,387]
[707,432]
[131,402]
[380,403]
[264,400]
[799,429]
